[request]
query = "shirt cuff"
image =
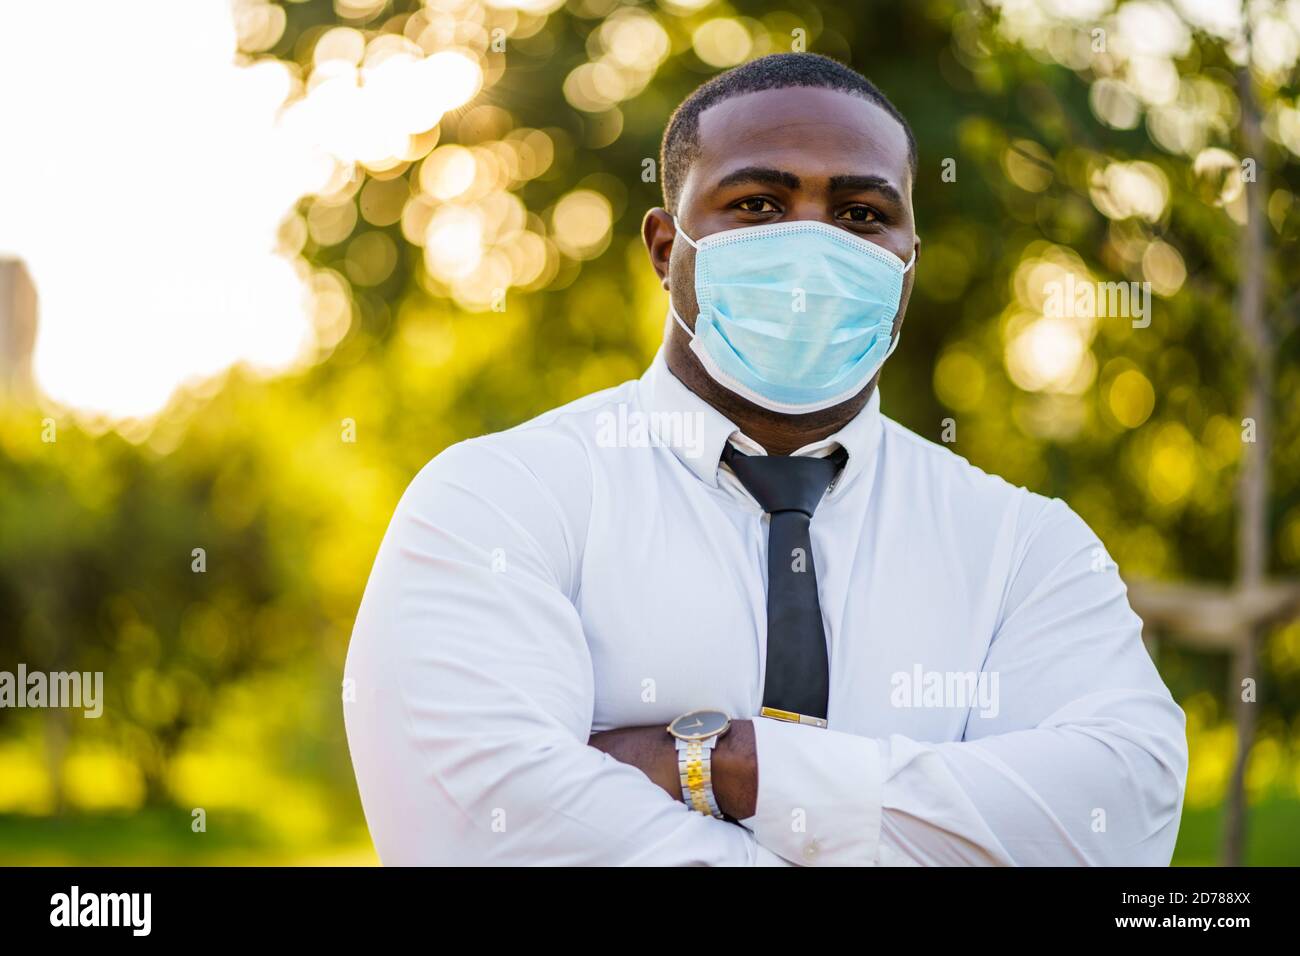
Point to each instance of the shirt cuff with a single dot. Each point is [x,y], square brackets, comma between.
[819,794]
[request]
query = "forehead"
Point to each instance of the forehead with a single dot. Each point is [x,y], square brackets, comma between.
[808,131]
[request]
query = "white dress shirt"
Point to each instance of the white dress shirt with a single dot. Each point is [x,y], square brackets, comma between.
[991,700]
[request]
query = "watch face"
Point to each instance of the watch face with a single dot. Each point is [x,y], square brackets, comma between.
[699,724]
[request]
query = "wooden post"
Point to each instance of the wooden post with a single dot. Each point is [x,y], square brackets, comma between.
[17,330]
[1252,491]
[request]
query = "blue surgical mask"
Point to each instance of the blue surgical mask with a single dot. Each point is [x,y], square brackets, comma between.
[794,316]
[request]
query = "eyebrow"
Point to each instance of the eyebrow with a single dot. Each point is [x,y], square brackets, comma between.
[876,183]
[780,177]
[759,174]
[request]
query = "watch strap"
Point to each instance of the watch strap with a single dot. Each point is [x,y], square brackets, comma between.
[695,765]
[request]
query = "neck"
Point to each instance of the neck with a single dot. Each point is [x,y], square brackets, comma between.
[778,434]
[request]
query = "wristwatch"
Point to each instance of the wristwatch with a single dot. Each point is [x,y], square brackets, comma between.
[697,733]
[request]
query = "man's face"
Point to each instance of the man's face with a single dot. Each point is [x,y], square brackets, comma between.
[783,155]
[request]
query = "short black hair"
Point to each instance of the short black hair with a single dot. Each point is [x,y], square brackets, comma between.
[776,71]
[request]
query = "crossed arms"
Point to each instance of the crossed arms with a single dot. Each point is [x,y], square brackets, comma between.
[471,738]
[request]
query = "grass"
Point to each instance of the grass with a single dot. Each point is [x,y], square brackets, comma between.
[1272,834]
[163,837]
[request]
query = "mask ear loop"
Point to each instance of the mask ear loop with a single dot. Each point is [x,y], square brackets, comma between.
[672,309]
[682,232]
[899,337]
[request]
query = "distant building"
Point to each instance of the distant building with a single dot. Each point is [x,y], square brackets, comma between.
[17,329]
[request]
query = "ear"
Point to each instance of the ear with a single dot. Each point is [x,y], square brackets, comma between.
[658,230]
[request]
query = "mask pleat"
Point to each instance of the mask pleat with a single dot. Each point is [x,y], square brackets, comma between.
[796,314]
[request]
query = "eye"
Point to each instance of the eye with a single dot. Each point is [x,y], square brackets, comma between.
[862,215]
[756,204]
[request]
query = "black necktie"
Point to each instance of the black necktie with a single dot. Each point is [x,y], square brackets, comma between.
[789,489]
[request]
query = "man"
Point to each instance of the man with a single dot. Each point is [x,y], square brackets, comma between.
[869,651]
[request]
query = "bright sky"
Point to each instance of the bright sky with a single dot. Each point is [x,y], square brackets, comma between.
[144,176]
[142,181]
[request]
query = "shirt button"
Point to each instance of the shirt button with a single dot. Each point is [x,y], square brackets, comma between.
[811,849]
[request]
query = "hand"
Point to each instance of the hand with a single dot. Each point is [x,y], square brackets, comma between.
[653,751]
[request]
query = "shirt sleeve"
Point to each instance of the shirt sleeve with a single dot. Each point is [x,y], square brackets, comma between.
[468,693]
[1082,761]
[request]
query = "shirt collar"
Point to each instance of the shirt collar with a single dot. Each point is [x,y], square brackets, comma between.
[707,430]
